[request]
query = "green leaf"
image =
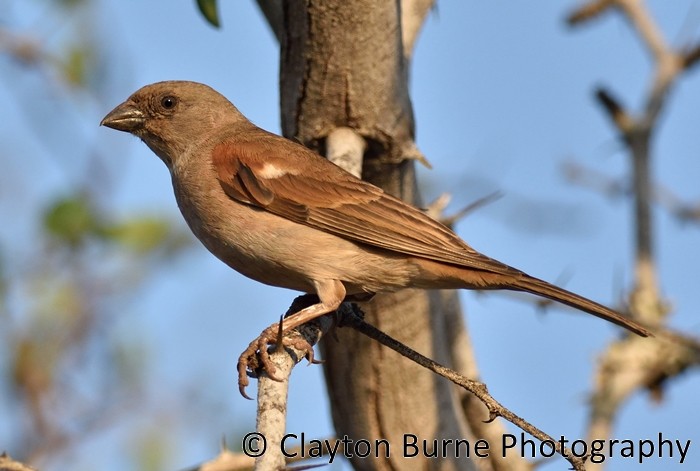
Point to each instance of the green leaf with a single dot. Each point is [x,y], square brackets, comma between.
[145,234]
[209,10]
[75,65]
[140,235]
[70,220]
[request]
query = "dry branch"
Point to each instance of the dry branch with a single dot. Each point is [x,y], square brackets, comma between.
[8,464]
[630,365]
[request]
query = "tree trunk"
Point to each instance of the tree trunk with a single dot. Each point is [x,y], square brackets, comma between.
[343,65]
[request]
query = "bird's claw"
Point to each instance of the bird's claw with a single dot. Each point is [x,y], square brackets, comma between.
[256,358]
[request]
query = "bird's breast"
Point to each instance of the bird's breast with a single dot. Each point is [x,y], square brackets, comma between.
[243,237]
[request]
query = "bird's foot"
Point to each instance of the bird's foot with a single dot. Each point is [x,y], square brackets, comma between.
[256,358]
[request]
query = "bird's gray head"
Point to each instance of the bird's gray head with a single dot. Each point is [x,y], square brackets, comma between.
[172,116]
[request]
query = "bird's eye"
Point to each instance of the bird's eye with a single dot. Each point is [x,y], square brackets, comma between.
[168,102]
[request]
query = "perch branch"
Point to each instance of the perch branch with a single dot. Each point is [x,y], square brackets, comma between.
[477,388]
[272,394]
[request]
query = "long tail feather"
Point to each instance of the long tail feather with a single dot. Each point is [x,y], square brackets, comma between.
[548,290]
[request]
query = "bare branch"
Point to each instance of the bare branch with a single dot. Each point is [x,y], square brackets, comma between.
[588,11]
[272,393]
[8,464]
[643,23]
[273,11]
[346,149]
[227,460]
[683,211]
[691,57]
[413,14]
[436,207]
[462,358]
[479,389]
[597,181]
[470,208]
[629,365]
[615,111]
[410,151]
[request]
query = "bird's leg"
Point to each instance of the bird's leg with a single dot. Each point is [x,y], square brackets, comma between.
[256,357]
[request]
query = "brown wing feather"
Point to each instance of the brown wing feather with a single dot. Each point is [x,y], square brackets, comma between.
[267,173]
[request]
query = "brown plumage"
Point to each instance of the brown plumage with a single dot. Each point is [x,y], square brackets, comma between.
[277,212]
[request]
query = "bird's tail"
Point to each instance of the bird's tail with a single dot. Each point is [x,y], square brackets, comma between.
[549,291]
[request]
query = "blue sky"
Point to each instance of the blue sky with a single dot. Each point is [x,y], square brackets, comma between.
[502,93]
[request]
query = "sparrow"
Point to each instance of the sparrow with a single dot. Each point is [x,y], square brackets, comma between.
[277,212]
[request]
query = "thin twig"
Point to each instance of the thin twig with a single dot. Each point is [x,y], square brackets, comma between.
[683,211]
[588,11]
[477,388]
[646,28]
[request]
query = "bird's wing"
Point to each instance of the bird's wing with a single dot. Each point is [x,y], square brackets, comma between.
[291,181]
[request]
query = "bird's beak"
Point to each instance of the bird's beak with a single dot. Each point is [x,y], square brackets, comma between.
[125,117]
